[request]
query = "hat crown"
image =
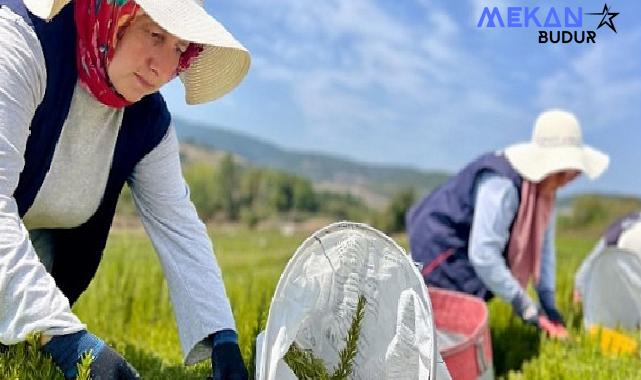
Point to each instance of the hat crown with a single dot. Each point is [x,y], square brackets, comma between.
[557,129]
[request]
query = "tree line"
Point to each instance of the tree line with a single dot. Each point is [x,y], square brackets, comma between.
[229,191]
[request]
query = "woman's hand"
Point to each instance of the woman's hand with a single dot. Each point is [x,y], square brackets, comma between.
[524,308]
[226,360]
[548,304]
[67,350]
[228,363]
[552,329]
[527,310]
[109,364]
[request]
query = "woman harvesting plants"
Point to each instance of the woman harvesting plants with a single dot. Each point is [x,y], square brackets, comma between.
[490,229]
[80,115]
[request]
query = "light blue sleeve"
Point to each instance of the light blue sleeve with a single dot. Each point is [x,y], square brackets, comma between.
[548,258]
[496,204]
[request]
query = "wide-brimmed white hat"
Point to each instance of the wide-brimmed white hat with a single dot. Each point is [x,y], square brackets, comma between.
[556,145]
[219,68]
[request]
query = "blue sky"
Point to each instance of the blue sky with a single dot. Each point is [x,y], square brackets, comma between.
[417,83]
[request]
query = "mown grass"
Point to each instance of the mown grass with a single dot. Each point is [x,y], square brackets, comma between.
[128,305]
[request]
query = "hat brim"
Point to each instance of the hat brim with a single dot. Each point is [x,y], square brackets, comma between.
[215,72]
[535,163]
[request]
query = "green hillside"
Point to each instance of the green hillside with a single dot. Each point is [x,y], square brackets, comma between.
[332,172]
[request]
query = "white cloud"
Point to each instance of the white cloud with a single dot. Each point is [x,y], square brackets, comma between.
[602,85]
[353,65]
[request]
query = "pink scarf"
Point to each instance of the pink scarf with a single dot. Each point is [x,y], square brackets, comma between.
[526,238]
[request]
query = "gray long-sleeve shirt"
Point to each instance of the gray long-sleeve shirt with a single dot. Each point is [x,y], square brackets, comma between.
[29,298]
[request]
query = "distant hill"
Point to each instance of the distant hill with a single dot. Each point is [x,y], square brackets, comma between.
[594,212]
[374,183]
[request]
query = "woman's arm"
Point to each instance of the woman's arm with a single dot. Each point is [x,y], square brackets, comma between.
[496,204]
[29,298]
[546,287]
[185,250]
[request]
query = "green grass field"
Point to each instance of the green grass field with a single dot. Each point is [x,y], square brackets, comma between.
[128,305]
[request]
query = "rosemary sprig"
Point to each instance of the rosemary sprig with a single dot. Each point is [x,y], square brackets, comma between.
[307,367]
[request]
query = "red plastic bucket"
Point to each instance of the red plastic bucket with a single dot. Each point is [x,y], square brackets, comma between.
[470,356]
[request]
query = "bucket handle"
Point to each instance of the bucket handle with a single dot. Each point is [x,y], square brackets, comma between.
[481,360]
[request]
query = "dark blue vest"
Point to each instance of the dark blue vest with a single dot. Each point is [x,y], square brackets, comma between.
[615,230]
[439,227]
[77,251]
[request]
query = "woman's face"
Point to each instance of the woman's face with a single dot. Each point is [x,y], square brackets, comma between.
[557,180]
[146,58]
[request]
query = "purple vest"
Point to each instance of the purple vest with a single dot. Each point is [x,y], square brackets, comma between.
[439,226]
[616,229]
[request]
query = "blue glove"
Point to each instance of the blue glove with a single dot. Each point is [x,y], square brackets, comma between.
[546,297]
[227,362]
[67,350]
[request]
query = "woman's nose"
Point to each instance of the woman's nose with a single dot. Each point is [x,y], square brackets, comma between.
[163,62]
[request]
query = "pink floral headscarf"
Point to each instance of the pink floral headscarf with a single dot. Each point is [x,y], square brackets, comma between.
[97,24]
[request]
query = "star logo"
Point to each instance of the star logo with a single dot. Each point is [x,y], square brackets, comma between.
[607,18]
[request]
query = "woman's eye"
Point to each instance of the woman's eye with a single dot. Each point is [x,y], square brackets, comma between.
[157,37]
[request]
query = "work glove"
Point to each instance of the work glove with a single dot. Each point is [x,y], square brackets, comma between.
[226,360]
[67,350]
[527,310]
[549,307]
[524,308]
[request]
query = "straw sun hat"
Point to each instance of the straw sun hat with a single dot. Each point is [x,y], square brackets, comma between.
[556,145]
[221,66]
